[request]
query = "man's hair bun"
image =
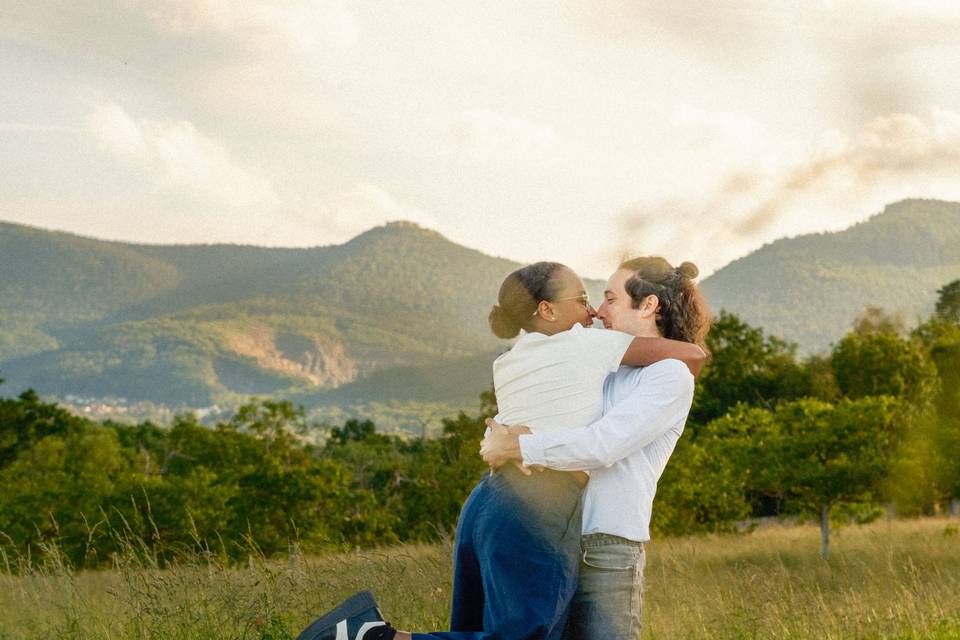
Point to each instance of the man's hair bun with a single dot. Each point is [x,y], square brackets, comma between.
[688,270]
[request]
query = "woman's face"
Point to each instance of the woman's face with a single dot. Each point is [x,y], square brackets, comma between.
[569,305]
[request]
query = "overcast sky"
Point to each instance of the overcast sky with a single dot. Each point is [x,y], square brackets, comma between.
[574,131]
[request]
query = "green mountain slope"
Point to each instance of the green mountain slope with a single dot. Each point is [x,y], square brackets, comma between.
[396,314]
[810,288]
[196,325]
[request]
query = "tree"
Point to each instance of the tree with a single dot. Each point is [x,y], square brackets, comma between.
[56,491]
[948,302]
[745,366]
[873,320]
[701,490]
[743,441]
[353,430]
[832,456]
[881,362]
[941,334]
[443,477]
[26,420]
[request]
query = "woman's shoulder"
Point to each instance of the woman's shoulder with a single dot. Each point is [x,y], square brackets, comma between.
[534,344]
[577,335]
[594,335]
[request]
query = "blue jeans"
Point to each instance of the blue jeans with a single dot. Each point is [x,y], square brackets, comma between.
[515,559]
[610,591]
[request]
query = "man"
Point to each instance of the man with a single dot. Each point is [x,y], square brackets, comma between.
[626,450]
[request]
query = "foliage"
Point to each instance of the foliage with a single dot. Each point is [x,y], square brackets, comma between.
[874,423]
[948,303]
[874,360]
[829,455]
[252,480]
[701,491]
[746,366]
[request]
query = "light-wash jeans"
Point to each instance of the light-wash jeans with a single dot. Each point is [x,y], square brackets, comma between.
[609,593]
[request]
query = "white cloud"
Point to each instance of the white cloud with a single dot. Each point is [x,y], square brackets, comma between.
[726,145]
[484,133]
[33,127]
[302,26]
[177,157]
[270,120]
[840,181]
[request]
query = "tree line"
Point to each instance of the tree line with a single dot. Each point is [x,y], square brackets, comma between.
[874,424]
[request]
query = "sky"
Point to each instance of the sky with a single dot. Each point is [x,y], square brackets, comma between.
[576,131]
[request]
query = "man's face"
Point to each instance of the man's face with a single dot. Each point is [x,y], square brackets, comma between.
[616,311]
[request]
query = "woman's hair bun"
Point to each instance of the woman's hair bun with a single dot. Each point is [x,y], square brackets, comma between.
[502,324]
[688,270]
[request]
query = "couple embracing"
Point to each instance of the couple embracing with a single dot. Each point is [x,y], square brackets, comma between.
[549,544]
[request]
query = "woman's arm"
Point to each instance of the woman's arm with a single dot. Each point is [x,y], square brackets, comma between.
[645,351]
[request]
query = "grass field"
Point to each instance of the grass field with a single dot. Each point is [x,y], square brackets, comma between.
[891,579]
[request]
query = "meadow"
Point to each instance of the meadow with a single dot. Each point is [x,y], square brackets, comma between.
[889,579]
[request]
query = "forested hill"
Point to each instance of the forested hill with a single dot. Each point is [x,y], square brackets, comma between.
[810,288]
[396,314]
[201,324]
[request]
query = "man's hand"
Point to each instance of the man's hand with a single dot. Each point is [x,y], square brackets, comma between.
[502,445]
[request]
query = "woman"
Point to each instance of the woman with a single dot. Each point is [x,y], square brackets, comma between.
[518,537]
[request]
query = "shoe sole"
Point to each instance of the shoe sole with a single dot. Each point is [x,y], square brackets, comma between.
[352,606]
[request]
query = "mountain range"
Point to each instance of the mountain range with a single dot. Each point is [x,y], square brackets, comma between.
[396,314]
[809,289]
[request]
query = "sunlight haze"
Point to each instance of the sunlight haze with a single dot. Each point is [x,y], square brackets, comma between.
[575,131]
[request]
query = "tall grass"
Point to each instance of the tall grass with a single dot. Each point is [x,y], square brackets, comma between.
[891,579]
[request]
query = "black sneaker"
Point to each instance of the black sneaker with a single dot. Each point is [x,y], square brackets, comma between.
[357,618]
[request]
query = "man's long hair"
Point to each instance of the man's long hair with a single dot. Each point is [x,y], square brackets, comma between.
[683,313]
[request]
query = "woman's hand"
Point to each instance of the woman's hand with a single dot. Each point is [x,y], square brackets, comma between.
[502,445]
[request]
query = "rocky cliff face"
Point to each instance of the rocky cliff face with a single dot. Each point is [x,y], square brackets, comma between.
[324,363]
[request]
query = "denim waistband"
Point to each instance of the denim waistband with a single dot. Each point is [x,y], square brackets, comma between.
[545,477]
[544,489]
[603,539]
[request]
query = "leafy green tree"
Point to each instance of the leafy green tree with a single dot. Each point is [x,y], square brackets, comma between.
[26,420]
[353,431]
[442,478]
[823,383]
[832,456]
[878,358]
[941,335]
[56,491]
[700,491]
[742,443]
[873,320]
[745,366]
[875,360]
[948,302]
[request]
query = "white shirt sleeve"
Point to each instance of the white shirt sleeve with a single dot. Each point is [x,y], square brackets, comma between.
[660,401]
[603,347]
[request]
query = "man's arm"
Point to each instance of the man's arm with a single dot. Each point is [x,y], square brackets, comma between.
[661,400]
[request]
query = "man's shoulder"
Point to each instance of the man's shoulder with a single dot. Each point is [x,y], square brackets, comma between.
[665,371]
[667,368]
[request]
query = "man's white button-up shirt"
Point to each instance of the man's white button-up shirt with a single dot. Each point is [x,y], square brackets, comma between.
[626,450]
